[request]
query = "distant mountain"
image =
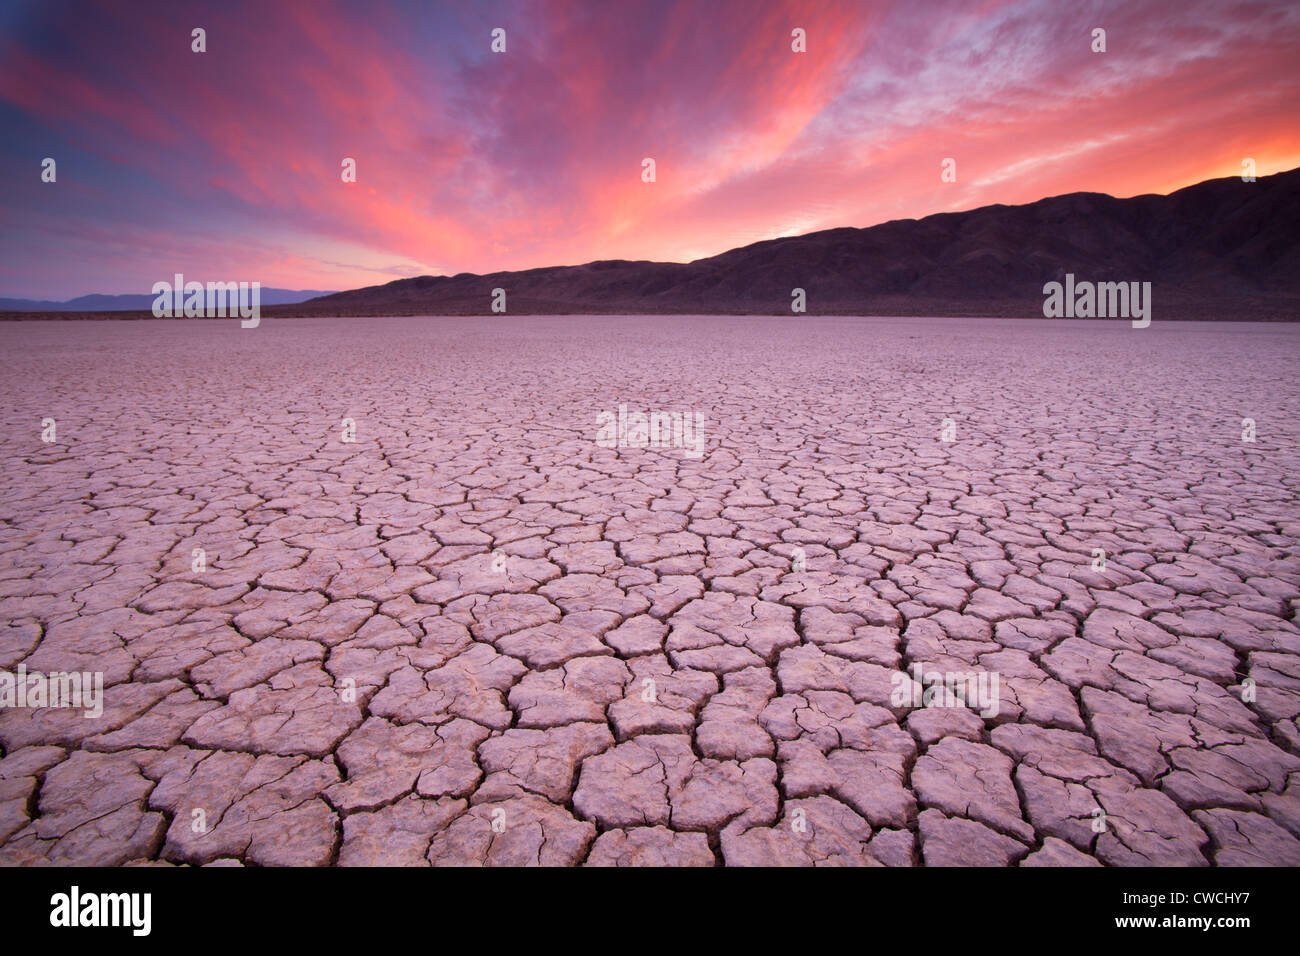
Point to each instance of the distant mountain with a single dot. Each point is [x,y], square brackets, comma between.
[1221,249]
[135,303]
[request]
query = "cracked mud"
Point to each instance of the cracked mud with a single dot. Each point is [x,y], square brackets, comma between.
[475,636]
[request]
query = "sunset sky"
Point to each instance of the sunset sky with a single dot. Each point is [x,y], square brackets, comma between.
[226,165]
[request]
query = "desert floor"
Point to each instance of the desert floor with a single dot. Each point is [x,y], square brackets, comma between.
[474,635]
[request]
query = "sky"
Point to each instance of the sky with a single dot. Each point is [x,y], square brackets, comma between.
[226,165]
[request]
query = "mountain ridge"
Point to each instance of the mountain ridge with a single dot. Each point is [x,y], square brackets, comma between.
[1219,249]
[1211,244]
[133,302]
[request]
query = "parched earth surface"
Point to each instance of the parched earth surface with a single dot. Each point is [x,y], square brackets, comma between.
[476,636]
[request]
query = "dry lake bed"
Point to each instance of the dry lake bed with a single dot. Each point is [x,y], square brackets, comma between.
[649,590]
